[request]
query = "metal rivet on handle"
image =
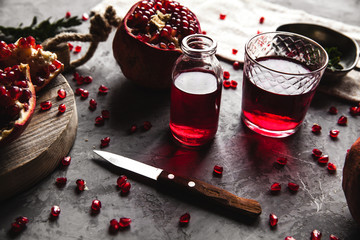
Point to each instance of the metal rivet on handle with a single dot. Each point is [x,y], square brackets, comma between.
[191,184]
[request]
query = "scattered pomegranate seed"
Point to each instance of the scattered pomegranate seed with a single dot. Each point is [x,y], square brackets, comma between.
[282,161]
[147,125]
[99,121]
[316,128]
[289,238]
[70,46]
[273,220]
[236,65]
[103,89]
[334,133]
[121,181]
[342,120]
[62,108]
[226,83]
[354,110]
[218,170]
[226,75]
[105,142]
[261,20]
[114,225]
[316,235]
[81,185]
[323,159]
[203,32]
[258,32]
[66,161]
[92,104]
[61,181]
[67,14]
[126,188]
[77,49]
[233,84]
[293,187]
[184,219]
[316,152]
[96,205]
[275,187]
[105,114]
[331,167]
[22,220]
[55,211]
[85,17]
[46,105]
[124,222]
[19,224]
[61,93]
[88,79]
[85,94]
[79,91]
[133,128]
[333,110]
[333,237]
[234,51]
[222,16]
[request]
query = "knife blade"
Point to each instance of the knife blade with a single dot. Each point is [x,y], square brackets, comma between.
[213,194]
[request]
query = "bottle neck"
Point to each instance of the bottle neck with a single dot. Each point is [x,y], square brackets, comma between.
[198,46]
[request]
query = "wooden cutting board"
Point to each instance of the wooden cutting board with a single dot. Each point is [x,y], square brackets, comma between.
[46,140]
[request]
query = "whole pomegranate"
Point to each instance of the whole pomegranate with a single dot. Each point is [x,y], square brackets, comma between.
[351,180]
[147,42]
[17,101]
[44,65]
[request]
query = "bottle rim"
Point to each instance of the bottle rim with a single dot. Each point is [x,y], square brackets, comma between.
[198,44]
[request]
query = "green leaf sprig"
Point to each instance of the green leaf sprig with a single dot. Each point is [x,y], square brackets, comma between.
[334,58]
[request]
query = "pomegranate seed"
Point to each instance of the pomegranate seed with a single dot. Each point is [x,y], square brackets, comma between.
[88,79]
[124,222]
[81,185]
[126,188]
[55,211]
[275,187]
[273,220]
[61,93]
[70,46]
[114,225]
[103,89]
[333,237]
[226,75]
[293,187]
[96,205]
[45,105]
[261,20]
[85,94]
[22,220]
[147,125]
[222,16]
[121,181]
[184,219]
[316,235]
[289,238]
[79,91]
[342,120]
[133,128]
[282,161]
[85,17]
[226,83]
[334,133]
[80,80]
[203,32]
[66,161]
[323,159]
[234,51]
[105,114]
[316,128]
[62,108]
[331,167]
[61,181]
[236,65]
[333,110]
[77,49]
[105,142]
[16,227]
[258,32]
[233,84]
[99,121]
[68,15]
[354,110]
[92,104]
[218,170]
[316,152]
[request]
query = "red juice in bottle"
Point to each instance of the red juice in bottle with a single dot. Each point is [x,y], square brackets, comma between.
[195,106]
[275,105]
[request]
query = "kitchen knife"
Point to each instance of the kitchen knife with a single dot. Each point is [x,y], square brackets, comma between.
[207,191]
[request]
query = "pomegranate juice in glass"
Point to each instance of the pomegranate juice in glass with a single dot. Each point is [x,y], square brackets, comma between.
[196,92]
[281,73]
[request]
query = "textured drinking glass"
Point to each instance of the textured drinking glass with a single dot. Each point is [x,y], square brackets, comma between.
[196,92]
[281,73]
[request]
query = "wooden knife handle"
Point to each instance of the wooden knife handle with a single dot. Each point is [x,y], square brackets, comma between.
[211,193]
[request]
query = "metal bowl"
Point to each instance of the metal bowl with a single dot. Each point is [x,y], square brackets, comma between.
[327,38]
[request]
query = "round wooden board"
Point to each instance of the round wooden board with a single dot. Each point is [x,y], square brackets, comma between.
[48,138]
